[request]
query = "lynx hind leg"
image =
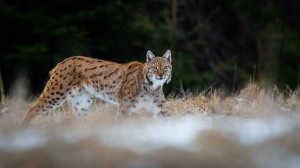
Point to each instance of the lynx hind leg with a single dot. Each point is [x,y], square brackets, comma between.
[31,113]
[46,102]
[160,107]
[124,110]
[81,102]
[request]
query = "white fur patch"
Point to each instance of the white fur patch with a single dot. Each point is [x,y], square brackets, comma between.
[147,103]
[81,101]
[157,83]
[107,98]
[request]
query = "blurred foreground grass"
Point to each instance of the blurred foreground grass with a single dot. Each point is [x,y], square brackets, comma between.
[253,128]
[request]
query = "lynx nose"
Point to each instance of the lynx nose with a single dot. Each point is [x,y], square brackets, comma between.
[161,75]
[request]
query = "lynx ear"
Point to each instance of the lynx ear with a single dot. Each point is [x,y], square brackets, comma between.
[167,56]
[150,56]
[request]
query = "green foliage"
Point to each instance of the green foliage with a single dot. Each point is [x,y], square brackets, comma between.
[215,42]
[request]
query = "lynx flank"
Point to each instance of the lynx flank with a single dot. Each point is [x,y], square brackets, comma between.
[130,86]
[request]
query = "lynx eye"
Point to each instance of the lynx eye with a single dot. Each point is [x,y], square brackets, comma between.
[156,68]
[165,67]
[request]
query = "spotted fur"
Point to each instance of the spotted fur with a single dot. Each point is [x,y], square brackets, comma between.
[130,86]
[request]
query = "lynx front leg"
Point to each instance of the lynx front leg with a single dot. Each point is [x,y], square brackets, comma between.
[161,107]
[124,111]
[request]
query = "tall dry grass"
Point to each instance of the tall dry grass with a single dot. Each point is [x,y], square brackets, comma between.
[255,127]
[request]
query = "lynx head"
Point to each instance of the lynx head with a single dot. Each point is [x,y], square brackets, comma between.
[158,70]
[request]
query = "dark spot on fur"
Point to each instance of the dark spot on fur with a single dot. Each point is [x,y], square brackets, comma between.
[79,65]
[111,74]
[93,76]
[60,86]
[52,93]
[93,68]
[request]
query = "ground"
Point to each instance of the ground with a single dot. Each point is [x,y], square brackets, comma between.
[255,127]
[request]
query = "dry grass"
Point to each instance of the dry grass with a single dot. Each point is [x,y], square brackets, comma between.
[253,128]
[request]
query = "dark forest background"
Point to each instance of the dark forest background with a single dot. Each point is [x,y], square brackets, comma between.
[215,43]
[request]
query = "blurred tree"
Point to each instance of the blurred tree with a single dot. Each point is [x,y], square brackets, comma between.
[216,42]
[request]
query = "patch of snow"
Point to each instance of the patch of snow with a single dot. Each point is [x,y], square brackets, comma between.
[22,140]
[5,109]
[255,131]
[176,132]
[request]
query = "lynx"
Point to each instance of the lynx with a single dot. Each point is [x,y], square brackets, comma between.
[131,86]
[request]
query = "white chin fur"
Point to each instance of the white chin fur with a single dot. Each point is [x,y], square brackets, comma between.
[157,83]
